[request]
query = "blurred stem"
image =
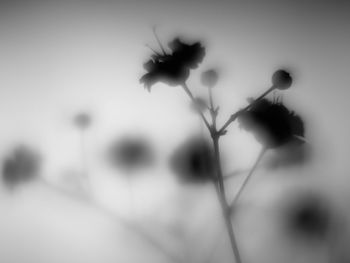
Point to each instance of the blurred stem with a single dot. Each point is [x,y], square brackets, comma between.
[84,169]
[131,196]
[134,228]
[234,116]
[190,95]
[245,182]
[212,110]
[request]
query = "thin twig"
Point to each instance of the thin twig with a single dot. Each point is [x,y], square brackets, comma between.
[234,201]
[234,116]
[190,95]
[88,199]
[223,202]
[158,40]
[219,181]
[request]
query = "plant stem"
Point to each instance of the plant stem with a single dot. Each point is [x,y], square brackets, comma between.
[219,183]
[131,196]
[234,116]
[84,162]
[224,205]
[190,95]
[261,154]
[212,110]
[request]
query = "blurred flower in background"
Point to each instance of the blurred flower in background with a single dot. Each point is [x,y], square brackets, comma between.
[130,153]
[291,154]
[82,120]
[199,104]
[309,217]
[20,166]
[193,161]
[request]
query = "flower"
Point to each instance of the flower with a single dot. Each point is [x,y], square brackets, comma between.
[281,79]
[193,161]
[174,68]
[82,120]
[209,78]
[130,153]
[272,123]
[22,165]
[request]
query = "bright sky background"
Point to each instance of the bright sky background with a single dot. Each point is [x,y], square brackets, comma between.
[62,57]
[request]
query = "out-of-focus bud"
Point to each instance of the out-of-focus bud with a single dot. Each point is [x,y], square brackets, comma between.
[281,79]
[209,78]
[130,153]
[82,120]
[199,105]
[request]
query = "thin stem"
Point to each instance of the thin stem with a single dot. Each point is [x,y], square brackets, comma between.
[190,95]
[131,196]
[219,181]
[210,94]
[234,116]
[84,162]
[88,199]
[261,154]
[224,205]
[158,40]
[213,113]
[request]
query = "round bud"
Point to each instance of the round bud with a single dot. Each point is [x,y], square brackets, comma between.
[281,79]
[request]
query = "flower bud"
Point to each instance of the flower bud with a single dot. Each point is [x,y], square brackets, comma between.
[209,78]
[281,79]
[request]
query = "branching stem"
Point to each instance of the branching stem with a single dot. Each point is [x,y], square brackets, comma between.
[219,180]
[190,95]
[246,180]
[234,116]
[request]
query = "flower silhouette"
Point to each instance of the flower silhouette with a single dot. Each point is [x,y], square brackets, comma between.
[193,161]
[272,123]
[174,68]
[22,165]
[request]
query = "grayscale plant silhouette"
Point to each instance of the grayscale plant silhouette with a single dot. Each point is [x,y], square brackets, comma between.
[82,121]
[198,159]
[271,122]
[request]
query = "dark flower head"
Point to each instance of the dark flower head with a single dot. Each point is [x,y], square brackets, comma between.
[22,165]
[272,123]
[281,79]
[309,216]
[209,78]
[130,153]
[174,68]
[193,161]
[82,120]
[189,55]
